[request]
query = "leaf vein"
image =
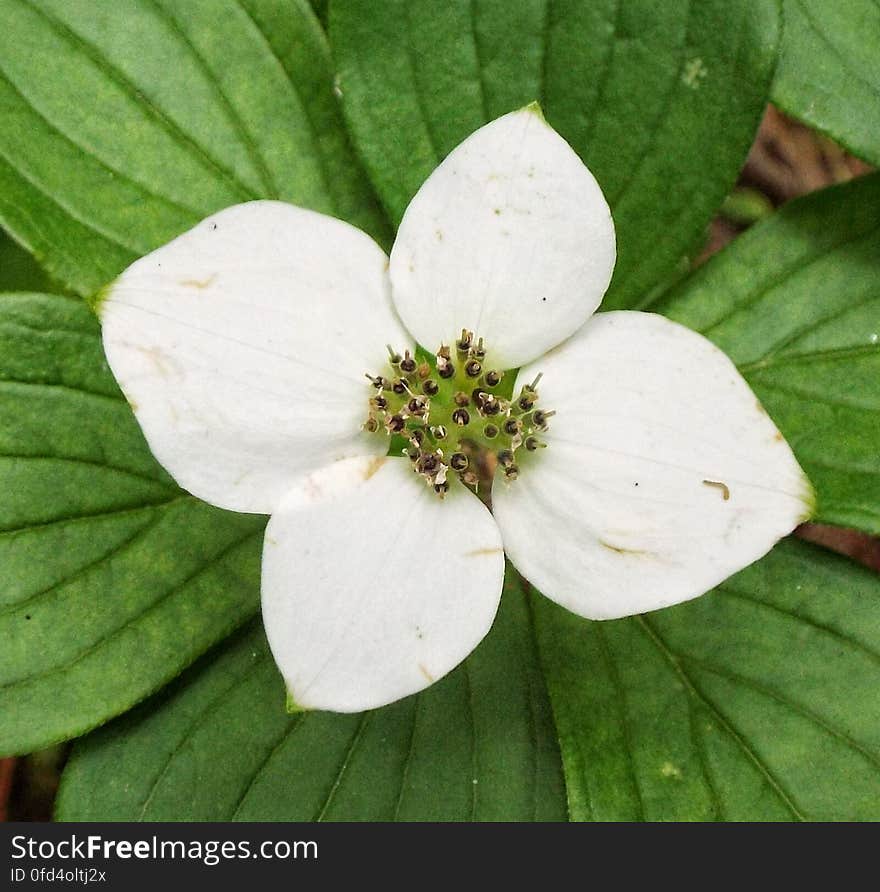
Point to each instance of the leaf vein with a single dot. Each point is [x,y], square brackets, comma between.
[725,723]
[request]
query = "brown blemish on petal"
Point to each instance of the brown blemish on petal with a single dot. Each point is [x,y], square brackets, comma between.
[373,466]
[271,540]
[159,360]
[481,552]
[423,669]
[617,549]
[778,437]
[725,490]
[200,284]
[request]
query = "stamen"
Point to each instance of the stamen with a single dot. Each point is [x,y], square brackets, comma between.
[458,461]
[407,364]
[490,428]
[540,418]
[416,405]
[505,458]
[491,405]
[428,464]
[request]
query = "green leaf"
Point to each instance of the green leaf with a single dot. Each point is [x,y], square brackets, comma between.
[661,100]
[795,302]
[218,745]
[829,70]
[114,580]
[18,270]
[755,702]
[126,123]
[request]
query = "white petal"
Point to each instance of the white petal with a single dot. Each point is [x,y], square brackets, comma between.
[663,475]
[373,587]
[242,347]
[509,237]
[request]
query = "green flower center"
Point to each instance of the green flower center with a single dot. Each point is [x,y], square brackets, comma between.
[452,417]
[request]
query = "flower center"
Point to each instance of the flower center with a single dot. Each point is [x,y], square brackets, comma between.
[453,418]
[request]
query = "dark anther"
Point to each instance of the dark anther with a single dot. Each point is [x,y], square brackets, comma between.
[464,342]
[512,426]
[511,472]
[458,461]
[417,436]
[441,488]
[473,369]
[540,418]
[371,425]
[479,352]
[407,364]
[525,403]
[399,387]
[533,443]
[379,402]
[396,424]
[461,399]
[461,416]
[493,378]
[469,478]
[490,431]
[428,463]
[505,458]
[377,381]
[430,387]
[447,370]
[439,432]
[416,406]
[491,406]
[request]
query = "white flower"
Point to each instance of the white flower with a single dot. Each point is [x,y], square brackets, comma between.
[242,347]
